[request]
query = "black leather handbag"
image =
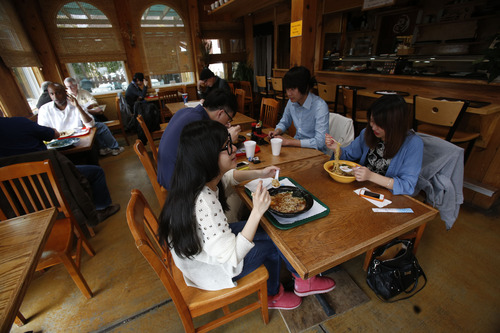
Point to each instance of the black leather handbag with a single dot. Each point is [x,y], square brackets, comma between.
[394,269]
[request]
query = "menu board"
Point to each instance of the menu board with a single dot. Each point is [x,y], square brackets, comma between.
[371,4]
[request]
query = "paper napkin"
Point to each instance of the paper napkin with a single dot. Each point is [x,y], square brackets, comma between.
[379,204]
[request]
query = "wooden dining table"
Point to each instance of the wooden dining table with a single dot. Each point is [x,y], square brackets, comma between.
[84,151]
[351,228]
[22,240]
[287,154]
[244,121]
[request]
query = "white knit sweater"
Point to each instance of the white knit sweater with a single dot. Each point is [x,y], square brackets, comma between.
[222,255]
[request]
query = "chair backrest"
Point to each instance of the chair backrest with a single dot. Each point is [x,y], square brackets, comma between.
[149,137]
[438,112]
[30,187]
[326,92]
[144,228]
[349,97]
[277,83]
[150,166]
[261,81]
[165,97]
[247,86]
[231,86]
[240,97]
[341,129]
[269,112]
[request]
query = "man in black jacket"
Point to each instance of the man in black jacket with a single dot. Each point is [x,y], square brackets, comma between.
[136,90]
[208,82]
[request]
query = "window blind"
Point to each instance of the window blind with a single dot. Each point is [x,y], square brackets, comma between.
[15,46]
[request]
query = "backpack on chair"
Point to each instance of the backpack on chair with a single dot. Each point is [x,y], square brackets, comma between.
[151,116]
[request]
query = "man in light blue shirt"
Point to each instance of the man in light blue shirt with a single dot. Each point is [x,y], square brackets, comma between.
[308,112]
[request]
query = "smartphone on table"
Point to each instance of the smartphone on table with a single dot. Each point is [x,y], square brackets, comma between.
[371,195]
[242,165]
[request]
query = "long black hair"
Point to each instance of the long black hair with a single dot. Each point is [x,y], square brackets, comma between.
[197,164]
[390,112]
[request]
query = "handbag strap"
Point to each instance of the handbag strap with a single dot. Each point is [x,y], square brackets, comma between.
[414,287]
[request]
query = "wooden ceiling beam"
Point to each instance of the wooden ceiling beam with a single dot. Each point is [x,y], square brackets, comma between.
[239,8]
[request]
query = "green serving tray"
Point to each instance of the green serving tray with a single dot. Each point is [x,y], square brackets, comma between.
[281,226]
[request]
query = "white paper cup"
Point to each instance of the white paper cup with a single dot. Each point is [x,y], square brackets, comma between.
[276,146]
[250,148]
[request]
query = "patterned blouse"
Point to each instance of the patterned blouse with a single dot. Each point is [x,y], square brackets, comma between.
[375,161]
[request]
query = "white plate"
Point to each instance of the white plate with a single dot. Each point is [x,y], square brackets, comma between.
[62,143]
[66,133]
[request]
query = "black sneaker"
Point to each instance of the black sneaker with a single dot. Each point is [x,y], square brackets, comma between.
[107,212]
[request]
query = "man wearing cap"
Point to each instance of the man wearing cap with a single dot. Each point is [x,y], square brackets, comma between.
[136,90]
[209,81]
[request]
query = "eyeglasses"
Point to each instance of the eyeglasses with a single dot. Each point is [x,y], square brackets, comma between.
[229,145]
[227,114]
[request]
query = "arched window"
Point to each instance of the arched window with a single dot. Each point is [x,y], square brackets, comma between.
[166,45]
[91,47]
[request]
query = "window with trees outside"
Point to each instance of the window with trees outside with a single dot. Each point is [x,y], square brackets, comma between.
[90,46]
[167,54]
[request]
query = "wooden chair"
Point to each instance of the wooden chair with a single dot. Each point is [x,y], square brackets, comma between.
[30,187]
[231,86]
[240,97]
[442,118]
[269,112]
[279,93]
[151,136]
[116,126]
[151,170]
[359,117]
[262,85]
[165,97]
[328,94]
[191,302]
[245,85]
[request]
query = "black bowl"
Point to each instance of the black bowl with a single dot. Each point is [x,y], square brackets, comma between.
[296,192]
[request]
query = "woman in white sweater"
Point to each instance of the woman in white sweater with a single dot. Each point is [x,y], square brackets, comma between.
[211,253]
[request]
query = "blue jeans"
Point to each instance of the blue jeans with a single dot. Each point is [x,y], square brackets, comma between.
[105,138]
[263,253]
[97,179]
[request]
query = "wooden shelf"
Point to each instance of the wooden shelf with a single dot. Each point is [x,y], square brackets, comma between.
[238,8]
[477,18]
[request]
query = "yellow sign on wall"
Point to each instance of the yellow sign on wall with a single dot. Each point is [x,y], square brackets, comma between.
[296,29]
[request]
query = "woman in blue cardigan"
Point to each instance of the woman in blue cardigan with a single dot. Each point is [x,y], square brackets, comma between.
[388,150]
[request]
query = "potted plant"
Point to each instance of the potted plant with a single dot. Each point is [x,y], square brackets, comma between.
[243,72]
[491,59]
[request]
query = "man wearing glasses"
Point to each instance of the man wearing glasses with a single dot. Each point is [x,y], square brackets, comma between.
[209,82]
[220,105]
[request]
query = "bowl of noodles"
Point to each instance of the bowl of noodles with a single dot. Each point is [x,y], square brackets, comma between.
[342,171]
[289,201]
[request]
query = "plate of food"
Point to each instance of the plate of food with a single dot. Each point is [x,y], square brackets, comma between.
[62,143]
[66,133]
[289,201]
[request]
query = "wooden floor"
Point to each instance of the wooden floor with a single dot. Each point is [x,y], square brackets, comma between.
[462,295]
